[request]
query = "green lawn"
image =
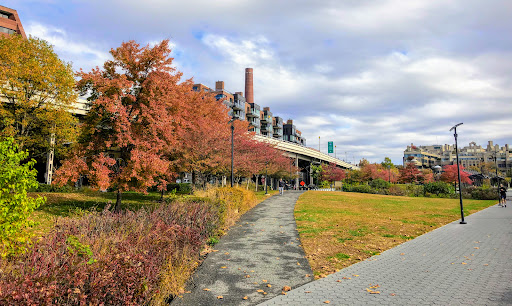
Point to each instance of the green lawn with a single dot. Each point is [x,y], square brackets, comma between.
[338,229]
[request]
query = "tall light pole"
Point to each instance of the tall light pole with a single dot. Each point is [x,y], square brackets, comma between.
[319,143]
[266,174]
[232,151]
[454,128]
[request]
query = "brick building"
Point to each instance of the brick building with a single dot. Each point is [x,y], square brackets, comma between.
[10,22]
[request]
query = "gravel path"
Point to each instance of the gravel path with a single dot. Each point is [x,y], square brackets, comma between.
[261,252]
[458,264]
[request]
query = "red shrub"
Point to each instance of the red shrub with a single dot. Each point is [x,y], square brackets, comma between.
[106,258]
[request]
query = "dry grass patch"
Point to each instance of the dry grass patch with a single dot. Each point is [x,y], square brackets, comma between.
[340,229]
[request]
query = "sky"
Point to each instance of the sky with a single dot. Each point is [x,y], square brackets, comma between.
[373,76]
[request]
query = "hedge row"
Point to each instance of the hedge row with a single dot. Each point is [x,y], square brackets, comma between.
[434,189]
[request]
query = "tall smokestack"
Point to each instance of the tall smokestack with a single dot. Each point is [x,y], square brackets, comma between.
[249,93]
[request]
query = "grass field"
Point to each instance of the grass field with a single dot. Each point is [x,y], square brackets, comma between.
[339,229]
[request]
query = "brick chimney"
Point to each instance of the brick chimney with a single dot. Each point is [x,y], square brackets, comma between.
[219,86]
[249,93]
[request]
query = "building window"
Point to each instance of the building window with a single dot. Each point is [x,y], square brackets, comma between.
[6,30]
[4,15]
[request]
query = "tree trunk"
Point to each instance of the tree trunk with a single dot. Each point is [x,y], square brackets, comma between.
[162,195]
[117,207]
[257,176]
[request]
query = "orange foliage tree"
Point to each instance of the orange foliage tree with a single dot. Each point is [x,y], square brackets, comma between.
[332,173]
[410,174]
[137,105]
[449,175]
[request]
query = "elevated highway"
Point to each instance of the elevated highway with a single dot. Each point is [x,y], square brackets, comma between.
[304,157]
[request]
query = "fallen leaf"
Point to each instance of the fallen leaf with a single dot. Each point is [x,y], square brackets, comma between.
[247,276]
[286,288]
[269,285]
[206,289]
[464,263]
[188,291]
[327,302]
[283,293]
[264,280]
[307,275]
[252,271]
[477,248]
[374,292]
[355,275]
[402,253]
[339,280]
[224,267]
[486,264]
[220,297]
[298,264]
[346,277]
[227,253]
[307,291]
[259,290]
[264,293]
[215,250]
[245,298]
[392,294]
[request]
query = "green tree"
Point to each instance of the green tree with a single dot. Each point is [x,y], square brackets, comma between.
[15,205]
[37,90]
[387,163]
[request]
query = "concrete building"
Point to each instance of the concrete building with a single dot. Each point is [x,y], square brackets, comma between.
[10,22]
[469,156]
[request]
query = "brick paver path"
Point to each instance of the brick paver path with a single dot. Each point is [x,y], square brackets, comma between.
[456,264]
[261,252]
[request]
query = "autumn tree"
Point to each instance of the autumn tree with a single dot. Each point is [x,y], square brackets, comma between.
[449,175]
[409,174]
[136,108]
[332,173]
[37,90]
[204,136]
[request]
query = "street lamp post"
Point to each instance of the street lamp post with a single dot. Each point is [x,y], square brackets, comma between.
[454,128]
[232,151]
[266,174]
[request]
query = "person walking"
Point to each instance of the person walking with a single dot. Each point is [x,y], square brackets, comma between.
[503,196]
[281,186]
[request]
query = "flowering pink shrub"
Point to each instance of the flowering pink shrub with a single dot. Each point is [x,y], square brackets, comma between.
[108,258]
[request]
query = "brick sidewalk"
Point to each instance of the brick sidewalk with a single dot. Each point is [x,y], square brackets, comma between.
[456,264]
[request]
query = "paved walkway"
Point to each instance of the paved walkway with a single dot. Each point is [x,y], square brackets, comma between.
[457,264]
[261,252]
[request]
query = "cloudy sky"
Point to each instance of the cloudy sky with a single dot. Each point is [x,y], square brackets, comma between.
[371,75]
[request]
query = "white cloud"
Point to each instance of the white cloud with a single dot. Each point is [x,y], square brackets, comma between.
[83,54]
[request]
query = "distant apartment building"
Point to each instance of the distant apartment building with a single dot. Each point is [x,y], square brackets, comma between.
[469,156]
[261,121]
[10,22]
[290,133]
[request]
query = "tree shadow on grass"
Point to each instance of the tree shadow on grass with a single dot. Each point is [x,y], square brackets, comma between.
[67,204]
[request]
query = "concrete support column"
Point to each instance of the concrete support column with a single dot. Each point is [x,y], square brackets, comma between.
[310,172]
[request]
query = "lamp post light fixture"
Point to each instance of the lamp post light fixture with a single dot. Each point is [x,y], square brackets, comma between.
[232,150]
[266,174]
[454,128]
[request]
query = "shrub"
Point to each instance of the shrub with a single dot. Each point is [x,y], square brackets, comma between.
[397,190]
[363,189]
[236,200]
[438,188]
[414,190]
[15,205]
[482,193]
[380,184]
[181,188]
[128,258]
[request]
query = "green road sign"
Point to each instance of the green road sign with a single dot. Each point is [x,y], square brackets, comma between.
[330,146]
